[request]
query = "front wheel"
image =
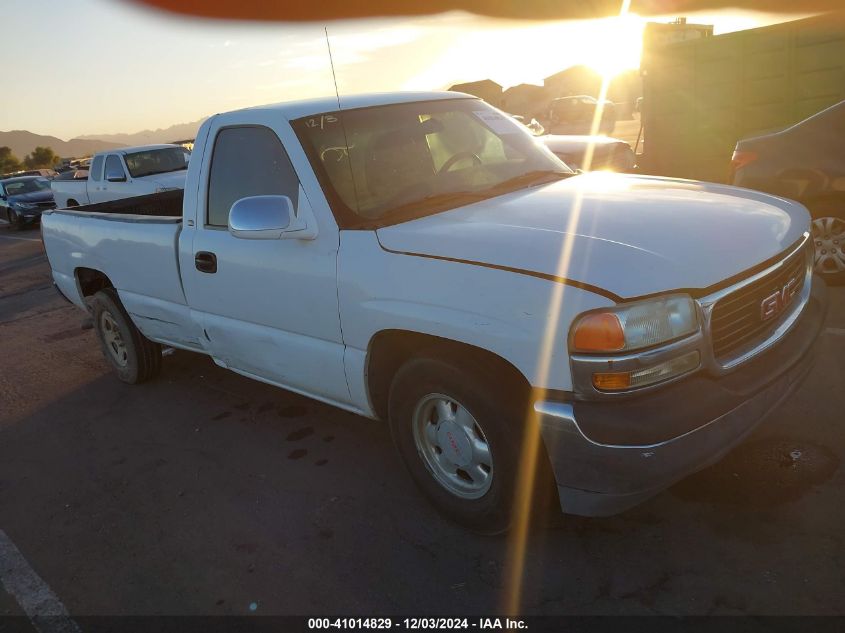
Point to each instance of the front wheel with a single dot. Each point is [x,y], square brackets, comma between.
[134,357]
[459,433]
[829,240]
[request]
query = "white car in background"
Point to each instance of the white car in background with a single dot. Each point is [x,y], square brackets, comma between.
[609,154]
[124,173]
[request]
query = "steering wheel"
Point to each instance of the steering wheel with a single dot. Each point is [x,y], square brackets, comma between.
[454,159]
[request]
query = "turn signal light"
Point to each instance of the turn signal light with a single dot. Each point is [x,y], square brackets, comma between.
[612,381]
[618,381]
[600,332]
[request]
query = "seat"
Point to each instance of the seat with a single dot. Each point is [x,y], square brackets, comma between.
[396,161]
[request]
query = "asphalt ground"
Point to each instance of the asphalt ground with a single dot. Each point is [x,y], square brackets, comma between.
[205,493]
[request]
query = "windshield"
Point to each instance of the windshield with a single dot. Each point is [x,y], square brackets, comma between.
[157,161]
[30,185]
[388,164]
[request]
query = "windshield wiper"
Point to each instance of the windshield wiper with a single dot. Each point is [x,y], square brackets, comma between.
[435,201]
[529,179]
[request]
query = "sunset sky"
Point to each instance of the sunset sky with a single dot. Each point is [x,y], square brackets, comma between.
[102,66]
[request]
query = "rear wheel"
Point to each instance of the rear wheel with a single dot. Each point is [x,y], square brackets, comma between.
[134,357]
[459,431]
[829,240]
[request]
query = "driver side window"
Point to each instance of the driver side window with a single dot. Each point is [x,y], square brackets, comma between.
[114,167]
[247,161]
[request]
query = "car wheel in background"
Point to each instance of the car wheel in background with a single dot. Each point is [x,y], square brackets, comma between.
[134,357]
[459,432]
[829,240]
[72,203]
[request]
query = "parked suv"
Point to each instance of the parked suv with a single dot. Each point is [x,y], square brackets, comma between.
[805,162]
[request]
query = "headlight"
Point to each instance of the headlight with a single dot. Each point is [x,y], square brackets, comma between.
[635,325]
[604,344]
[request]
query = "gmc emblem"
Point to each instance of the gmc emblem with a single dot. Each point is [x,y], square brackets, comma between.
[776,302]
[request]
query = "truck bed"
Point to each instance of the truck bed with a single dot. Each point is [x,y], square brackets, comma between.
[134,242]
[167,204]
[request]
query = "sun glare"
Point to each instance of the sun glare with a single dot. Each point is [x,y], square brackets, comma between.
[529,460]
[617,44]
[534,51]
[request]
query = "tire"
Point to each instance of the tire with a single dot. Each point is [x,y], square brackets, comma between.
[72,203]
[829,239]
[420,391]
[134,358]
[14,221]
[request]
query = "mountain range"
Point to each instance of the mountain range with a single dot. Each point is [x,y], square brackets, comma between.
[178,132]
[22,142]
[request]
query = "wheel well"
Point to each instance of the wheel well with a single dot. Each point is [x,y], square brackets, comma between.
[390,349]
[91,281]
[72,203]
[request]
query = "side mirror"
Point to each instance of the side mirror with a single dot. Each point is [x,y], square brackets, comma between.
[116,176]
[536,128]
[264,218]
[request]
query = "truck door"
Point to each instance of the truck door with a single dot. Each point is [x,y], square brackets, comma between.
[113,185]
[94,184]
[267,308]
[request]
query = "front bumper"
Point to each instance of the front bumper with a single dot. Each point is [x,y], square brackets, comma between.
[29,217]
[598,478]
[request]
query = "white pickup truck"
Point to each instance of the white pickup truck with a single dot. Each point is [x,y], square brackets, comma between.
[418,258]
[124,173]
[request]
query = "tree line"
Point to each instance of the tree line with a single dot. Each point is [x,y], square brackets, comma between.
[39,158]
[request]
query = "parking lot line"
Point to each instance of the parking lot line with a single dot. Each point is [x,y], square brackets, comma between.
[24,239]
[836,331]
[45,610]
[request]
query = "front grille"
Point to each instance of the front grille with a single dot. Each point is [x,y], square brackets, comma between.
[737,319]
[46,205]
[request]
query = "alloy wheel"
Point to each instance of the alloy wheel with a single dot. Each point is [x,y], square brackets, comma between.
[829,241]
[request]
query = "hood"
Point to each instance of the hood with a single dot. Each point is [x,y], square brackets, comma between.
[170,179]
[633,236]
[35,196]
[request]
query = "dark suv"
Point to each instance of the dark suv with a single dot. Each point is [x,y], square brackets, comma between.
[805,162]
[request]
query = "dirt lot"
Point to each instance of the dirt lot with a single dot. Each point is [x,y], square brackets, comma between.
[206,493]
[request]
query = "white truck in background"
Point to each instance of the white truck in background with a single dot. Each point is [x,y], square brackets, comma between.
[419,258]
[124,173]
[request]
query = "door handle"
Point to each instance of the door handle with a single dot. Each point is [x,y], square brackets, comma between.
[205,262]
